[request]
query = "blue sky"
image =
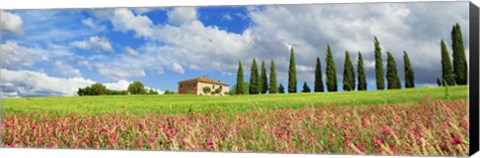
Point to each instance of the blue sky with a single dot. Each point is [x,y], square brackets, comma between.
[54,52]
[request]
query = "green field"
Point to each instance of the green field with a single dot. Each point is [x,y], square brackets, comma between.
[174,104]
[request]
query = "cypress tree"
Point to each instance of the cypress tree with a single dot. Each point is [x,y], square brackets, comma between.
[379,65]
[318,77]
[409,72]
[331,72]
[348,74]
[239,85]
[263,79]
[459,57]
[439,83]
[292,74]
[447,72]
[281,89]
[273,79]
[254,79]
[306,89]
[362,79]
[393,82]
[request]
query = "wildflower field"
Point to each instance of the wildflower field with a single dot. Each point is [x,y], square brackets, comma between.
[421,121]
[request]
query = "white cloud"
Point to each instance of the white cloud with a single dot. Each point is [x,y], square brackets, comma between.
[13,55]
[119,71]
[11,23]
[182,15]
[124,20]
[178,68]
[131,51]
[227,16]
[66,69]
[89,22]
[94,43]
[31,84]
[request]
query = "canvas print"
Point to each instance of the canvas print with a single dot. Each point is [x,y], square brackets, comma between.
[360,78]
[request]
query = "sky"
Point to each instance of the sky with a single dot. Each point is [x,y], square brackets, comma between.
[55,52]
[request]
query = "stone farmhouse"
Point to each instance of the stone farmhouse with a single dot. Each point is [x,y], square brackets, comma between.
[203,86]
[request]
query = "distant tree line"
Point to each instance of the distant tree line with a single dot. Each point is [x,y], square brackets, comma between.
[134,88]
[259,84]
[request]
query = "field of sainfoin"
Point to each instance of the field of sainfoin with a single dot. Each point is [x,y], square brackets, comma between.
[423,121]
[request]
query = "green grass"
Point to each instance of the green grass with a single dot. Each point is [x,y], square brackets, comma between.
[172,104]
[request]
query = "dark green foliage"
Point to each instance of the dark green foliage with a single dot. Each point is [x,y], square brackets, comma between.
[409,72]
[331,72]
[263,79]
[447,71]
[306,89]
[254,79]
[206,90]
[169,92]
[393,81]
[245,86]
[379,66]
[281,89]
[362,78]
[152,92]
[273,79]
[292,74]
[136,88]
[460,67]
[98,89]
[348,74]
[239,80]
[439,83]
[318,86]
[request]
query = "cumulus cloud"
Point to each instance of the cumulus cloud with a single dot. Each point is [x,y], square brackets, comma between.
[182,15]
[10,23]
[32,84]
[94,43]
[119,71]
[66,69]
[13,55]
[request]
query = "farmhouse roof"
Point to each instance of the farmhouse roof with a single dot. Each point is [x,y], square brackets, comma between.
[203,80]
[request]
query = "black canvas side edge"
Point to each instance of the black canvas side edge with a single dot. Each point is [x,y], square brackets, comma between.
[474,111]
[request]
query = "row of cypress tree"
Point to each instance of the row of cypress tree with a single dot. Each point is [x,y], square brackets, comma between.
[450,76]
[455,74]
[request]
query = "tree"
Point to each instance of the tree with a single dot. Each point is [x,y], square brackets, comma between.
[245,86]
[348,74]
[306,89]
[281,89]
[273,79]
[98,89]
[439,83]
[318,77]
[136,87]
[263,79]
[447,72]
[362,79]
[331,72]
[254,78]
[152,92]
[379,65]
[393,82]
[459,57]
[239,79]
[206,90]
[169,92]
[292,74]
[409,72]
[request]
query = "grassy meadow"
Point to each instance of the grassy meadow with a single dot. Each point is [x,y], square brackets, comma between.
[181,104]
[421,121]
